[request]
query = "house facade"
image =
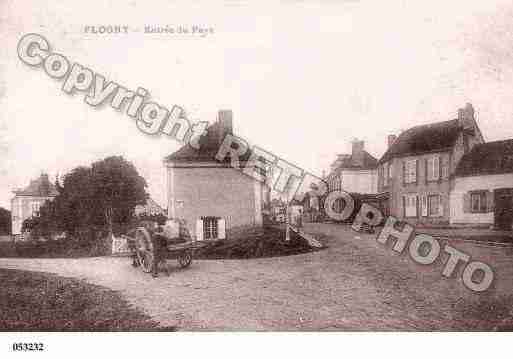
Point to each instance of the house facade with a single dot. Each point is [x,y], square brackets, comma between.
[418,167]
[27,201]
[483,187]
[210,197]
[355,172]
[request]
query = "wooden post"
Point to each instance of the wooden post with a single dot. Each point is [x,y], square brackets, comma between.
[287,224]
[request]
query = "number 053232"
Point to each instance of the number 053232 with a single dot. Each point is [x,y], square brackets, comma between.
[27,347]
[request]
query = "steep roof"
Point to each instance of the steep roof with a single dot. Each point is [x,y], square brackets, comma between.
[369,162]
[487,158]
[425,138]
[349,162]
[209,146]
[40,187]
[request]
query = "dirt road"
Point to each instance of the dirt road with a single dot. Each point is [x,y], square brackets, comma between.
[355,284]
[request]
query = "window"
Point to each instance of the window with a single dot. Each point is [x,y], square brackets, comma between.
[434,205]
[390,171]
[478,202]
[445,167]
[210,227]
[35,208]
[424,206]
[433,168]
[410,171]
[410,205]
[385,174]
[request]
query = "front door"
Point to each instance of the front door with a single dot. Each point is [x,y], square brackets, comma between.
[503,208]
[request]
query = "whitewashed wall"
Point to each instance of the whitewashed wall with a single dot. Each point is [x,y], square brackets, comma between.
[463,185]
[360,181]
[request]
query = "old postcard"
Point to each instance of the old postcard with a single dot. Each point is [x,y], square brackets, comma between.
[236,166]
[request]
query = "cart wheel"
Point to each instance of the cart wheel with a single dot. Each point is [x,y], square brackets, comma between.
[144,249]
[185,258]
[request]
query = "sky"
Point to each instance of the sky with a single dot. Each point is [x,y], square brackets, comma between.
[303,78]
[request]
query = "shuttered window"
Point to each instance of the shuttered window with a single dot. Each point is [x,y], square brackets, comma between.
[424,206]
[435,205]
[444,167]
[210,227]
[478,201]
[433,168]
[410,171]
[410,205]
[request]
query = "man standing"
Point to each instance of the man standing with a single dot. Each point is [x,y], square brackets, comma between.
[159,242]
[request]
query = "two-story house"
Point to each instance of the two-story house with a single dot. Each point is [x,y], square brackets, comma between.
[418,167]
[27,201]
[211,198]
[355,172]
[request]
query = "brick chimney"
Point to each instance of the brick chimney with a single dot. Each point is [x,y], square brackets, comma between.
[390,140]
[357,152]
[466,117]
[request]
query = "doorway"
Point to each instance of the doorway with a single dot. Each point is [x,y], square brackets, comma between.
[503,208]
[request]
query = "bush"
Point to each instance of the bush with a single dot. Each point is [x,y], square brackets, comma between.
[269,243]
[63,248]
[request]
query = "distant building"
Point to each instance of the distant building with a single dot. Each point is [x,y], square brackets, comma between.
[212,198]
[151,208]
[355,172]
[26,202]
[417,169]
[483,186]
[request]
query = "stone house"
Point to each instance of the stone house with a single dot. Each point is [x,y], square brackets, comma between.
[483,187]
[417,169]
[210,197]
[27,201]
[355,172]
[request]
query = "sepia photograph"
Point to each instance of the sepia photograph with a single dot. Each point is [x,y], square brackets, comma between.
[239,168]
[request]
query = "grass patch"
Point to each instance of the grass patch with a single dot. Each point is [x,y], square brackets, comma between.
[32,301]
[269,243]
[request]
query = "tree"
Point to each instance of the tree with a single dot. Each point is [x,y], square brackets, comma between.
[118,188]
[5,221]
[92,197]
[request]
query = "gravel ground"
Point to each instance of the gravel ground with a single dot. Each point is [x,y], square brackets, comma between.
[355,284]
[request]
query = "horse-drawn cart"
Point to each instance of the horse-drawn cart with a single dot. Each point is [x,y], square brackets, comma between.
[146,251]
